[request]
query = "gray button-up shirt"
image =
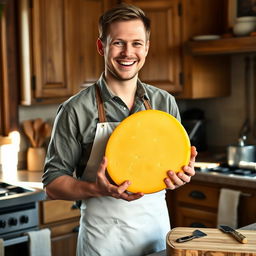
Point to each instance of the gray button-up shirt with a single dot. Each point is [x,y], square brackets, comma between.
[75,125]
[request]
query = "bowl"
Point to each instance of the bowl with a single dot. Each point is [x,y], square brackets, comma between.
[244,26]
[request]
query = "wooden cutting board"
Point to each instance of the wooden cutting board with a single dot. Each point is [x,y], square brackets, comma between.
[216,243]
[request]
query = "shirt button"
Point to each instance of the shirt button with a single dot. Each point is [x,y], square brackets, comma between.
[124,108]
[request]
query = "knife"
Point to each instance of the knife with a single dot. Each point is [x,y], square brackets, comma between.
[196,234]
[238,236]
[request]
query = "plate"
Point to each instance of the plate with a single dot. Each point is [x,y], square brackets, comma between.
[206,37]
[143,147]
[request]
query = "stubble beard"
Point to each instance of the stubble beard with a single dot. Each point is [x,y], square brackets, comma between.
[118,77]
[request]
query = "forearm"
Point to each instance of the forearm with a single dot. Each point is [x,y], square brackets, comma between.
[69,188]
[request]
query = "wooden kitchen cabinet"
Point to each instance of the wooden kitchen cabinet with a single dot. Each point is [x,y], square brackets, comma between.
[205,76]
[163,65]
[169,65]
[196,205]
[62,218]
[58,47]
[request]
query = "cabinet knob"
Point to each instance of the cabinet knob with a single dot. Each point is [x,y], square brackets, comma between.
[197,225]
[76,205]
[197,195]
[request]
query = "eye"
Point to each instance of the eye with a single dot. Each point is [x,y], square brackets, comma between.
[118,43]
[137,44]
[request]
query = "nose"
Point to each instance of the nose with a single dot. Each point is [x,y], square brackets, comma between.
[127,50]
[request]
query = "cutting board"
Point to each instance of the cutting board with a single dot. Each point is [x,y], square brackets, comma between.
[216,243]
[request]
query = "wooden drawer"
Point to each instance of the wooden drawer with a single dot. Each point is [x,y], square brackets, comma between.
[198,195]
[57,210]
[65,228]
[187,217]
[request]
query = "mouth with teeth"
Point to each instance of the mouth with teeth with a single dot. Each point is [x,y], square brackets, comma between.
[126,63]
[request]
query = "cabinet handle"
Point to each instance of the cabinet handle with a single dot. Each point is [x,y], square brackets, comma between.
[76,205]
[76,229]
[197,195]
[197,225]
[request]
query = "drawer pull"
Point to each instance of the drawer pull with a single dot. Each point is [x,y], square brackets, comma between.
[76,229]
[197,195]
[197,225]
[76,205]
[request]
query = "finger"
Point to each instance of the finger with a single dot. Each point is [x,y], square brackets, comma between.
[184,177]
[117,191]
[175,180]
[132,197]
[193,154]
[123,187]
[169,184]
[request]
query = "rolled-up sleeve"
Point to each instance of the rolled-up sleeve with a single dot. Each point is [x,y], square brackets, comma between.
[64,149]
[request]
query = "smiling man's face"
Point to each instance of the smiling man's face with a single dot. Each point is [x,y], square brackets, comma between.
[125,49]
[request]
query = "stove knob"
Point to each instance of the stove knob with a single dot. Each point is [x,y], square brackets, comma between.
[24,219]
[2,223]
[13,222]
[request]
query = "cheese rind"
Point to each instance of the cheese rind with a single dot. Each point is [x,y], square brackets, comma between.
[143,147]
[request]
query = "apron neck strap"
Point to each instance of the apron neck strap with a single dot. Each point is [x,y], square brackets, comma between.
[101,110]
[147,104]
[100,106]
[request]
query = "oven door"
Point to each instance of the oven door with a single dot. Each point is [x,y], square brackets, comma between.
[17,244]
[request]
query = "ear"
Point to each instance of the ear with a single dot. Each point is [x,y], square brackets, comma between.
[147,47]
[100,47]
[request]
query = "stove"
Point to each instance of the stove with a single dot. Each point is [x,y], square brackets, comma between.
[226,170]
[18,211]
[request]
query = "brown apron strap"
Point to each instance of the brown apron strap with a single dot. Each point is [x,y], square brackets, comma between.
[101,111]
[147,104]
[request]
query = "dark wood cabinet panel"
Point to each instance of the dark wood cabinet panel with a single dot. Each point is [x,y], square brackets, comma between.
[8,68]
[63,221]
[162,67]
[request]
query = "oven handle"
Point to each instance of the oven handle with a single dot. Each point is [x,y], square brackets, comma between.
[16,240]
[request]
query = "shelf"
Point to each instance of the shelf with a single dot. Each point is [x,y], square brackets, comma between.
[232,45]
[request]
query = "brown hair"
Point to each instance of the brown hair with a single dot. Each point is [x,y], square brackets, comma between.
[122,12]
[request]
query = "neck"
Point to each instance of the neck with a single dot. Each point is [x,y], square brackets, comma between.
[124,89]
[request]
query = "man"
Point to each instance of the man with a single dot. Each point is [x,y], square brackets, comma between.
[136,224]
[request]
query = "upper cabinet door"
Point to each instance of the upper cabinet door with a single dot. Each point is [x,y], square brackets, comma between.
[162,67]
[53,47]
[90,62]
[58,47]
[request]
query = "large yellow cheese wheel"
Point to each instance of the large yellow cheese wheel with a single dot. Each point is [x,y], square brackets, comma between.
[143,147]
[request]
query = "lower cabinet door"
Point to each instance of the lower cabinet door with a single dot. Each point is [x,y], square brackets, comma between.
[195,218]
[64,245]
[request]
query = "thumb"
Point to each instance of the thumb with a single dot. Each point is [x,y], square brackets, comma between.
[103,166]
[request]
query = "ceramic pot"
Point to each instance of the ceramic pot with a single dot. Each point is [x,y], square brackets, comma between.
[244,26]
[35,159]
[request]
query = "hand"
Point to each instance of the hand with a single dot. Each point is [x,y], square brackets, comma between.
[105,188]
[175,180]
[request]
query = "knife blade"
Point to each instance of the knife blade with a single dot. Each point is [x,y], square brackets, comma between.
[237,235]
[196,234]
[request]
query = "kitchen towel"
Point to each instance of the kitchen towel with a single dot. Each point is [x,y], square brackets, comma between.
[227,208]
[40,242]
[1,247]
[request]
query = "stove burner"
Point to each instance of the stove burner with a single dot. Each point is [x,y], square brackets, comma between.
[6,189]
[228,170]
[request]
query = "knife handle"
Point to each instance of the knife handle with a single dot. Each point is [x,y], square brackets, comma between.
[239,237]
[185,239]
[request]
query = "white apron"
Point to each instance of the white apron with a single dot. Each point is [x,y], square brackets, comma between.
[115,227]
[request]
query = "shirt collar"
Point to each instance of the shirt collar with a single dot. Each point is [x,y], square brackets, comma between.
[107,94]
